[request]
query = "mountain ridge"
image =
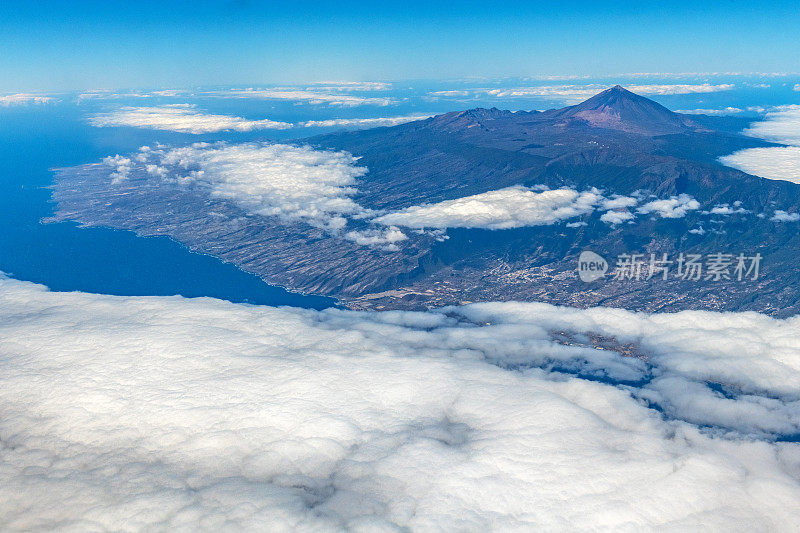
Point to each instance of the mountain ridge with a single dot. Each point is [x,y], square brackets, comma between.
[618,108]
[650,154]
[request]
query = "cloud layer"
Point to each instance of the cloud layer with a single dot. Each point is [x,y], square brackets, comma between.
[511,207]
[362,122]
[777,163]
[184,118]
[299,183]
[181,118]
[310,96]
[167,413]
[290,182]
[579,92]
[23,98]
[519,206]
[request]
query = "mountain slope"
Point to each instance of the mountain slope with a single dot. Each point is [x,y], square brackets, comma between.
[619,109]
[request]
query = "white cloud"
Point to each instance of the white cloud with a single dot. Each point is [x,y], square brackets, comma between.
[727,209]
[314,97]
[796,87]
[511,207]
[290,182]
[616,217]
[387,238]
[782,126]
[298,183]
[352,86]
[108,94]
[184,118]
[122,167]
[783,216]
[450,93]
[776,163]
[574,93]
[181,118]
[680,88]
[619,202]
[23,99]
[672,207]
[571,92]
[724,111]
[167,413]
[362,122]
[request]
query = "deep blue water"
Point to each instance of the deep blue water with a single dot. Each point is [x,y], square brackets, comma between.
[66,257]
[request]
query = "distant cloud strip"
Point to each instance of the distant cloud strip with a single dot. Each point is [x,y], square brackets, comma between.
[362,122]
[575,92]
[512,207]
[316,93]
[165,413]
[352,86]
[181,118]
[291,183]
[184,118]
[23,99]
[314,97]
[519,206]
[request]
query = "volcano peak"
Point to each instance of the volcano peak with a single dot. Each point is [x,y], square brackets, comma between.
[620,109]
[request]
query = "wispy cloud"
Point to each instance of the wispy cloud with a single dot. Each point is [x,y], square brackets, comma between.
[723,111]
[783,216]
[449,93]
[23,99]
[362,122]
[573,93]
[352,86]
[288,182]
[108,94]
[291,182]
[181,118]
[511,207]
[651,90]
[313,97]
[519,206]
[185,118]
[672,207]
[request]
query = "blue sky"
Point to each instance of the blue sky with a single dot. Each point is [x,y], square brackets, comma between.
[86,44]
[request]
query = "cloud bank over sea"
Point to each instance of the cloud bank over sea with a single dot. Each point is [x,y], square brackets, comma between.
[164,412]
[779,162]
